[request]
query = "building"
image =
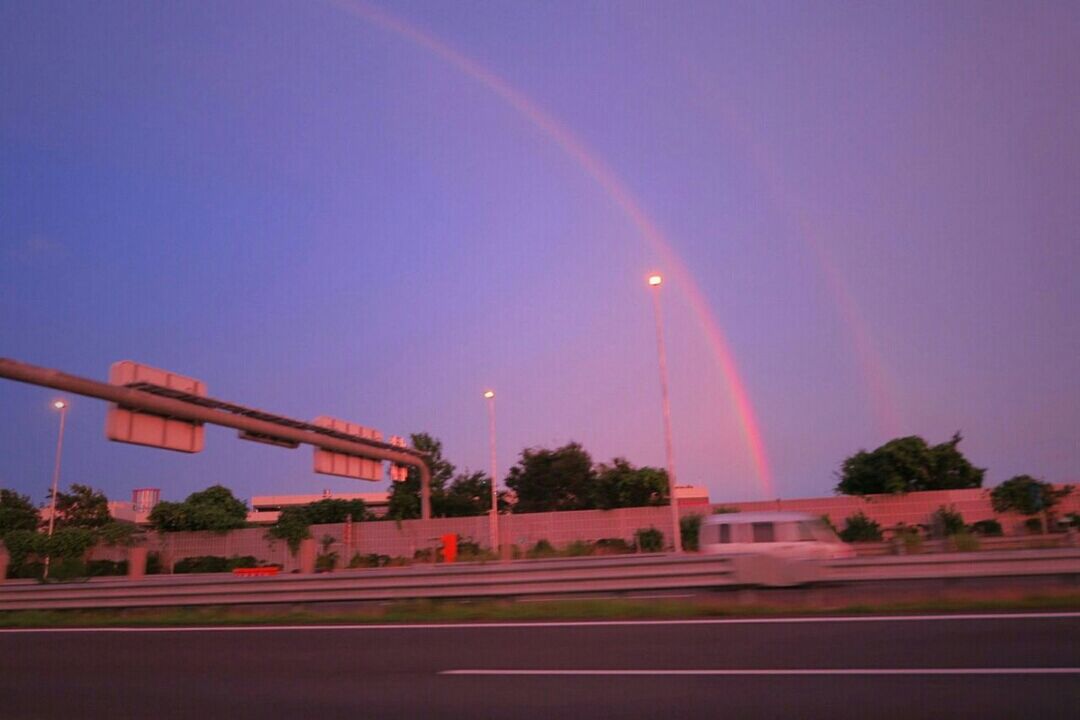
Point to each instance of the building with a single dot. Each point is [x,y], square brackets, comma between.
[265,509]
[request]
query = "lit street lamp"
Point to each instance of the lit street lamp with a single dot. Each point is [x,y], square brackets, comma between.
[655,280]
[62,406]
[489,395]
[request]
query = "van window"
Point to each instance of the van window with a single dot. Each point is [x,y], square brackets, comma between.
[763,532]
[725,533]
[806,532]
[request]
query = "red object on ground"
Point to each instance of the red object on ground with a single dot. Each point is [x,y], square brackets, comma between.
[257,571]
[449,547]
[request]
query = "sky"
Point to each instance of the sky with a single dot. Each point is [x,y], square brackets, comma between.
[867,215]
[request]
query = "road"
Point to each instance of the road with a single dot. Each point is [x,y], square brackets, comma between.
[979,666]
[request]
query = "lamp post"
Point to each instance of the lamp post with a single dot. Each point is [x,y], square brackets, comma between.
[62,406]
[489,395]
[655,281]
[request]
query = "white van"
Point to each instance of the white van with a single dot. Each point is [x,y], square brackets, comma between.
[787,534]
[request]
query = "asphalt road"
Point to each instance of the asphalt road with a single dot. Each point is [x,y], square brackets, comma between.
[974,666]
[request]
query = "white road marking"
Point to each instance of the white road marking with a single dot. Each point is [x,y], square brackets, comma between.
[560,624]
[783,671]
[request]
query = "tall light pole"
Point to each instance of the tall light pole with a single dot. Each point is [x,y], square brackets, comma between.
[62,406]
[489,395]
[655,280]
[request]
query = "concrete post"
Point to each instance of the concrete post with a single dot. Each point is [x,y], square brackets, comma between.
[4,559]
[136,562]
[307,554]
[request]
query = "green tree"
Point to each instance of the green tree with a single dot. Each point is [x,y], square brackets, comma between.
[620,485]
[405,495]
[214,508]
[547,480]
[470,494]
[16,512]
[909,464]
[82,507]
[1026,495]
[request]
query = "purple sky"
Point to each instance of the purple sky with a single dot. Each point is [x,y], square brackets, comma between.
[316,213]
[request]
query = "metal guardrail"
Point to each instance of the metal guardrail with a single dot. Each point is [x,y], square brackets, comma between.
[536,577]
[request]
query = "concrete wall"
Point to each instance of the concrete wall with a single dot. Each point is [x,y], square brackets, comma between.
[911,509]
[387,537]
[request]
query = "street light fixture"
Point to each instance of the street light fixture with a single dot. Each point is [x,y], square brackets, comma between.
[489,395]
[655,280]
[62,406]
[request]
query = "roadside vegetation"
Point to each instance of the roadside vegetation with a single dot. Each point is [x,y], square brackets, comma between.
[433,611]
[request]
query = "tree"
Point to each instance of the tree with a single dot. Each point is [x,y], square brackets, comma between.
[908,464]
[620,484]
[469,495]
[16,512]
[548,480]
[1026,495]
[405,495]
[82,507]
[214,508]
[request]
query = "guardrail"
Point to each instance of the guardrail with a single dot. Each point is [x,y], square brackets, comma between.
[534,577]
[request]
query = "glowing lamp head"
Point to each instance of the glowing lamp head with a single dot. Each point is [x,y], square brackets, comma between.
[655,280]
[59,404]
[489,394]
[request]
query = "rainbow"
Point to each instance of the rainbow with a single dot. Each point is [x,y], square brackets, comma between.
[616,189]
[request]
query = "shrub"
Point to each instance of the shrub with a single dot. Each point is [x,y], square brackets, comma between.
[947,521]
[213,564]
[689,531]
[579,548]
[859,528]
[425,555]
[909,537]
[101,568]
[542,549]
[649,540]
[1033,526]
[153,563]
[964,541]
[371,560]
[612,546]
[987,528]
[325,562]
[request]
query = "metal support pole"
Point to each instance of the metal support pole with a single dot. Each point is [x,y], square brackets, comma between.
[668,445]
[62,407]
[494,473]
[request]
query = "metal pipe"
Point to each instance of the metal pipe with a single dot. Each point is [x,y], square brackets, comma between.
[169,407]
[62,407]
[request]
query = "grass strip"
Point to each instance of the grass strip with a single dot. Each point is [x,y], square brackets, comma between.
[435,611]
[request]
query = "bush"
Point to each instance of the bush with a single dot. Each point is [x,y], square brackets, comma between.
[153,563]
[214,564]
[542,549]
[1033,526]
[612,546]
[947,521]
[987,528]
[689,531]
[909,537]
[325,562]
[964,541]
[101,568]
[579,548]
[649,540]
[859,528]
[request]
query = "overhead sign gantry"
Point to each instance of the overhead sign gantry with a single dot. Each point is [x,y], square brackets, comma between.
[162,409]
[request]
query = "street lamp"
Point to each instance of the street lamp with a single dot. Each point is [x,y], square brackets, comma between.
[62,406]
[655,281]
[489,395]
